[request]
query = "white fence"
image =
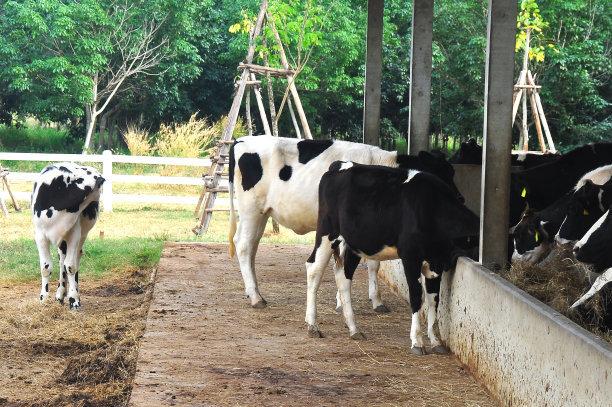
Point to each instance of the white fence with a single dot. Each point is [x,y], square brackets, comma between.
[107,158]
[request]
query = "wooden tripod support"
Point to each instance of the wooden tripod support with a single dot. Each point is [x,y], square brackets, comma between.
[526,88]
[248,80]
[4,181]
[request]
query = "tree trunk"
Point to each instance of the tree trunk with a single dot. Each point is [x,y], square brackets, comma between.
[103,142]
[90,125]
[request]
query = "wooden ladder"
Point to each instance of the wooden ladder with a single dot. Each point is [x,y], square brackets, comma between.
[248,80]
[4,181]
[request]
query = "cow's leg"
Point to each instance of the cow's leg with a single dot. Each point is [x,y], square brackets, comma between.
[432,294]
[412,269]
[250,230]
[374,293]
[63,274]
[315,266]
[42,243]
[344,277]
[71,265]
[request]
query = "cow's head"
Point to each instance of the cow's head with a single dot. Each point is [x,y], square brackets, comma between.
[470,152]
[595,247]
[531,238]
[435,163]
[584,209]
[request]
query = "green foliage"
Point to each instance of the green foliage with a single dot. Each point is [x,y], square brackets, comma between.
[570,44]
[530,21]
[36,139]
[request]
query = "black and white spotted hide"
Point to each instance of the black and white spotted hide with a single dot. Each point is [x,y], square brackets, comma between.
[279,177]
[65,203]
[381,213]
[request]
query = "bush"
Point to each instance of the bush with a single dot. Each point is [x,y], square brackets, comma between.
[191,139]
[137,141]
[37,140]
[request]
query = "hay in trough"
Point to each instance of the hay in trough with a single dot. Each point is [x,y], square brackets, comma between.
[559,281]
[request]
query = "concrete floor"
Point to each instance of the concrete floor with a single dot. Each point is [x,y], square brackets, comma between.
[204,344]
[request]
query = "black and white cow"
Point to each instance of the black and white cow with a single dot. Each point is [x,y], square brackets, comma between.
[382,213]
[534,236]
[540,186]
[595,248]
[590,199]
[279,178]
[564,221]
[64,209]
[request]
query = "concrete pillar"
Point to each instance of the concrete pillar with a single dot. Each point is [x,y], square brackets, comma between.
[420,76]
[497,132]
[373,73]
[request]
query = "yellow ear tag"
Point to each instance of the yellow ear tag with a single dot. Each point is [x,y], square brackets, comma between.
[585,212]
[537,236]
[524,192]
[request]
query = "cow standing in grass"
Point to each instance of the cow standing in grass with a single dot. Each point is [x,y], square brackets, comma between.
[64,210]
[382,213]
[279,177]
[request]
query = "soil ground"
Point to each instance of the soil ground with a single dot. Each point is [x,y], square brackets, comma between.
[204,344]
[50,356]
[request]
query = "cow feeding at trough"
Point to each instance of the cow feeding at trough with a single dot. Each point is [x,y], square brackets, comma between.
[382,213]
[595,248]
[279,178]
[564,221]
[65,203]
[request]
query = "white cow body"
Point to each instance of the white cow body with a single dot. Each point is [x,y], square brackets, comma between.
[64,210]
[293,203]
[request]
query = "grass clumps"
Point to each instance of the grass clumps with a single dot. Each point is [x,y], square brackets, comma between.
[194,138]
[137,141]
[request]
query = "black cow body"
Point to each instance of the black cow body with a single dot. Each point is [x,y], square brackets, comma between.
[596,248]
[589,201]
[534,235]
[383,213]
[542,185]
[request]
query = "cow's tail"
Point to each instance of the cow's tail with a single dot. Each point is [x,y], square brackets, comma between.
[232,219]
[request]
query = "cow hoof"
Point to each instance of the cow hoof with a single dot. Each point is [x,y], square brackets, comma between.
[260,304]
[339,309]
[440,350]
[358,336]
[418,350]
[314,332]
[382,309]
[60,300]
[74,303]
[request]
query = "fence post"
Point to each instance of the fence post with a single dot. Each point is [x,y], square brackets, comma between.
[107,173]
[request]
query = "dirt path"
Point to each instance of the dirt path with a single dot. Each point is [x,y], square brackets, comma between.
[204,345]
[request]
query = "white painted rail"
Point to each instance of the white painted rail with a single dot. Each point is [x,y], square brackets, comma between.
[107,158]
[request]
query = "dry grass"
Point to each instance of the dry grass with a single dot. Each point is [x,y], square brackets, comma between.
[87,358]
[558,282]
[137,141]
[190,139]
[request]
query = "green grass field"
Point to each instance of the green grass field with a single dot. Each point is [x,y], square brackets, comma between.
[133,238]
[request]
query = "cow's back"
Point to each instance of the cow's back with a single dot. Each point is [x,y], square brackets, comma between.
[280,176]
